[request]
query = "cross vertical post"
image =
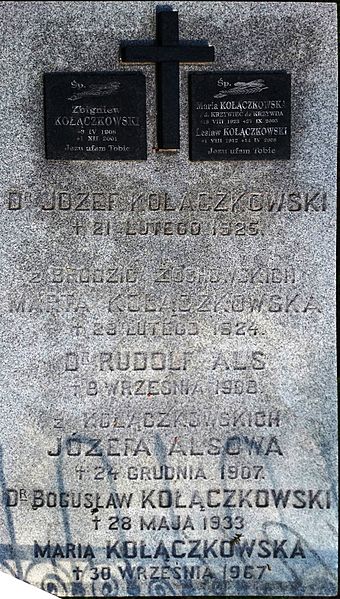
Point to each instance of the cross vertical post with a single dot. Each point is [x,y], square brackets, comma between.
[167,84]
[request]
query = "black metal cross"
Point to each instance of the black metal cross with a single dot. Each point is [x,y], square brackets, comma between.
[167,53]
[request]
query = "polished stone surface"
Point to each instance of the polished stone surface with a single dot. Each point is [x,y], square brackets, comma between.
[238,115]
[168,419]
[95,116]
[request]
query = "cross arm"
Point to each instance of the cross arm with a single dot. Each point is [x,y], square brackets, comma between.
[150,54]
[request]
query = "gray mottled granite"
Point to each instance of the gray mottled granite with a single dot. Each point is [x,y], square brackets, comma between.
[204,354]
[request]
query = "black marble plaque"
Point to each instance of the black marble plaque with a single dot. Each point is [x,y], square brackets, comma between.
[237,115]
[95,116]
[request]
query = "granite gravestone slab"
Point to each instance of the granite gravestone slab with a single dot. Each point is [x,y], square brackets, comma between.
[95,116]
[168,416]
[240,115]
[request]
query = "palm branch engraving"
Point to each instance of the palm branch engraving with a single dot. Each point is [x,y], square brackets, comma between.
[243,87]
[96,89]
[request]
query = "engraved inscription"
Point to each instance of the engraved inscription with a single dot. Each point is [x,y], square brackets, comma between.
[240,116]
[95,116]
[167,327]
